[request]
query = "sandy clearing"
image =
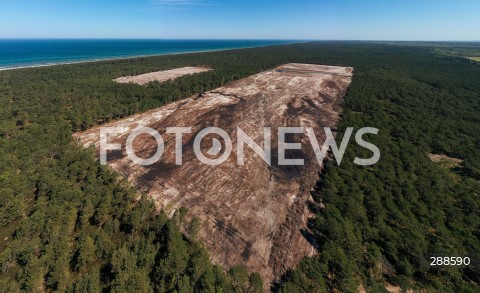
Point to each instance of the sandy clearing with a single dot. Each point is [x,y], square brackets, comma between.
[161,76]
[255,214]
[441,158]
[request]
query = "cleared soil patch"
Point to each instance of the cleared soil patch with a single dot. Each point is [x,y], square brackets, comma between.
[253,214]
[445,160]
[449,164]
[161,76]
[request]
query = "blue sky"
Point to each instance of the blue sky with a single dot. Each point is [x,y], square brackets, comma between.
[247,19]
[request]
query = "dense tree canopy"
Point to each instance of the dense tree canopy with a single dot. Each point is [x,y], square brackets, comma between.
[68,224]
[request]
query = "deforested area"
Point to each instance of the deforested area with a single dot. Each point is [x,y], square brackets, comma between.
[248,215]
[68,224]
[160,76]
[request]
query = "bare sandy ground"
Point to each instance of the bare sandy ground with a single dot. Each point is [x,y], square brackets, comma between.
[161,76]
[444,158]
[255,214]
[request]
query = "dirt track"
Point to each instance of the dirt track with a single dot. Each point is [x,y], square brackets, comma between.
[253,214]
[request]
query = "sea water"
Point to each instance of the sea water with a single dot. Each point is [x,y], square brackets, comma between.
[16,53]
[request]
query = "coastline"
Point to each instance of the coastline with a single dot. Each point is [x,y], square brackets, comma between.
[140,56]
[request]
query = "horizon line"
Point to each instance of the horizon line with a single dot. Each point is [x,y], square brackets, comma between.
[240,39]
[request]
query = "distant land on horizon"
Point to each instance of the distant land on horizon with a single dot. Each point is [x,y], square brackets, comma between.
[24,52]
